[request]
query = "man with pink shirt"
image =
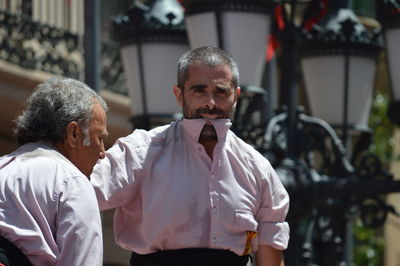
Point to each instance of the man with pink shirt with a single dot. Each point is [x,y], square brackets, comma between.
[193,193]
[48,210]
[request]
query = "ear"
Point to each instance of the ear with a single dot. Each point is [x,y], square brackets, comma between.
[237,94]
[179,95]
[73,132]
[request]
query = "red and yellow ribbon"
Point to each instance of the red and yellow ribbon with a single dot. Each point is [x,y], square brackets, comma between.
[249,238]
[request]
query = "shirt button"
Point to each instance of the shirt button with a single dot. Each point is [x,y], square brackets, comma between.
[214,209]
[212,176]
[214,239]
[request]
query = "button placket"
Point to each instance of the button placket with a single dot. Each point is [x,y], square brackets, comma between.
[213,238]
[214,197]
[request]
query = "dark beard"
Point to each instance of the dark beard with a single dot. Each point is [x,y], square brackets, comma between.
[208,133]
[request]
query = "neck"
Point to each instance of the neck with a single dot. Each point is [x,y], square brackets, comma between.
[209,146]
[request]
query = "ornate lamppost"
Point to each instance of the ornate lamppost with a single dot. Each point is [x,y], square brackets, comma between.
[230,25]
[342,48]
[153,37]
[316,169]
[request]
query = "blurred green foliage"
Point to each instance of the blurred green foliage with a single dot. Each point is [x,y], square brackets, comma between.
[382,129]
[368,245]
[369,242]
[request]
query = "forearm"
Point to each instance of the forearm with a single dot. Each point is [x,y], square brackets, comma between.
[268,256]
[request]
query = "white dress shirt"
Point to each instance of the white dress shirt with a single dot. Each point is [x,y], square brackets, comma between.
[169,194]
[48,208]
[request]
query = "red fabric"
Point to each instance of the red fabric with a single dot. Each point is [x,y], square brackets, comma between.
[272,45]
[315,19]
[280,20]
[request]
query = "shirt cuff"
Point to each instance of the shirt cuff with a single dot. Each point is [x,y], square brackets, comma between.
[274,234]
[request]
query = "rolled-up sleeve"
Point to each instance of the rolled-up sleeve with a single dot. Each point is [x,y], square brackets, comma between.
[273,229]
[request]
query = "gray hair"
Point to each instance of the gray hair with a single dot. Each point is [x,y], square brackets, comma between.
[52,106]
[207,56]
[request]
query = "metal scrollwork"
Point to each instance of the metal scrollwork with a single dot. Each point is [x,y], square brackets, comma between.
[318,145]
[327,190]
[33,45]
[37,46]
[249,122]
[113,75]
[373,211]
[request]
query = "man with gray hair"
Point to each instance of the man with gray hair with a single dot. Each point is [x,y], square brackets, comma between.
[48,209]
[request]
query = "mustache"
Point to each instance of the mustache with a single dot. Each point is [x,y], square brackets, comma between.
[214,111]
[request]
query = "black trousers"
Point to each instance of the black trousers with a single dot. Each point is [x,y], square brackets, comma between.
[10,255]
[190,256]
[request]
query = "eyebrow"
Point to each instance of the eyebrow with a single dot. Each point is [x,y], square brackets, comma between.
[223,87]
[197,86]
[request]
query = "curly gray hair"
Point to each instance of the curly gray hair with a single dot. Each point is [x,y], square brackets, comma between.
[52,106]
[208,56]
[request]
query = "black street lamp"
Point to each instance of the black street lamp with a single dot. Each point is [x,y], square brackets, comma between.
[239,27]
[338,60]
[153,37]
[327,191]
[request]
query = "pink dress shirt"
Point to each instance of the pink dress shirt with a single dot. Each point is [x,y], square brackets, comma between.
[169,194]
[48,208]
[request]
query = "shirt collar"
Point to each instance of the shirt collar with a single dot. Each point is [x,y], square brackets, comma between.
[193,127]
[41,148]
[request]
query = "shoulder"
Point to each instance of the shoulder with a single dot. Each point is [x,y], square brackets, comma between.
[61,172]
[40,166]
[155,137]
[40,159]
[45,175]
[246,150]
[247,153]
[135,147]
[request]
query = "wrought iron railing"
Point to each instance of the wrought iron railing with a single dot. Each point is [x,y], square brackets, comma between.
[112,73]
[38,46]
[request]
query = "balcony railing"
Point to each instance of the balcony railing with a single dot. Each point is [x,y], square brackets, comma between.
[38,46]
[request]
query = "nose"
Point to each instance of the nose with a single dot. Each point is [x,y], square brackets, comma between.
[102,153]
[210,102]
